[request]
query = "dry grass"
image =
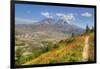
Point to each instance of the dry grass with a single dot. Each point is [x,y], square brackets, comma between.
[69,53]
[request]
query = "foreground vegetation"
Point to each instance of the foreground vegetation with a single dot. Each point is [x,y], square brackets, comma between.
[69,50]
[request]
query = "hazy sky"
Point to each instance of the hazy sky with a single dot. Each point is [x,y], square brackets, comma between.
[25,13]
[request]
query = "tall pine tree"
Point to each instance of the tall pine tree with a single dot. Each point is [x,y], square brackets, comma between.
[87,29]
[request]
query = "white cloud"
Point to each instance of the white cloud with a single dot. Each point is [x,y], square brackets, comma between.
[86,14]
[46,14]
[67,17]
[60,14]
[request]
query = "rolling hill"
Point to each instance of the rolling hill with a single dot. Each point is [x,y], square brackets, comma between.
[69,50]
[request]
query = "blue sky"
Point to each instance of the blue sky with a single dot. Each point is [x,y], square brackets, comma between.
[25,13]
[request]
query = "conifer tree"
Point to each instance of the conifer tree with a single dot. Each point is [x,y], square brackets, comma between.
[87,29]
[72,34]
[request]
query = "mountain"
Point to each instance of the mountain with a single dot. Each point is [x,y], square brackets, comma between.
[59,25]
[47,21]
[51,25]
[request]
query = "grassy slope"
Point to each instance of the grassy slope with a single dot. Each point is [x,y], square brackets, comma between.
[92,47]
[68,52]
[71,52]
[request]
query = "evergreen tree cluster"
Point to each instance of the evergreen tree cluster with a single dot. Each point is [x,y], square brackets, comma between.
[89,29]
